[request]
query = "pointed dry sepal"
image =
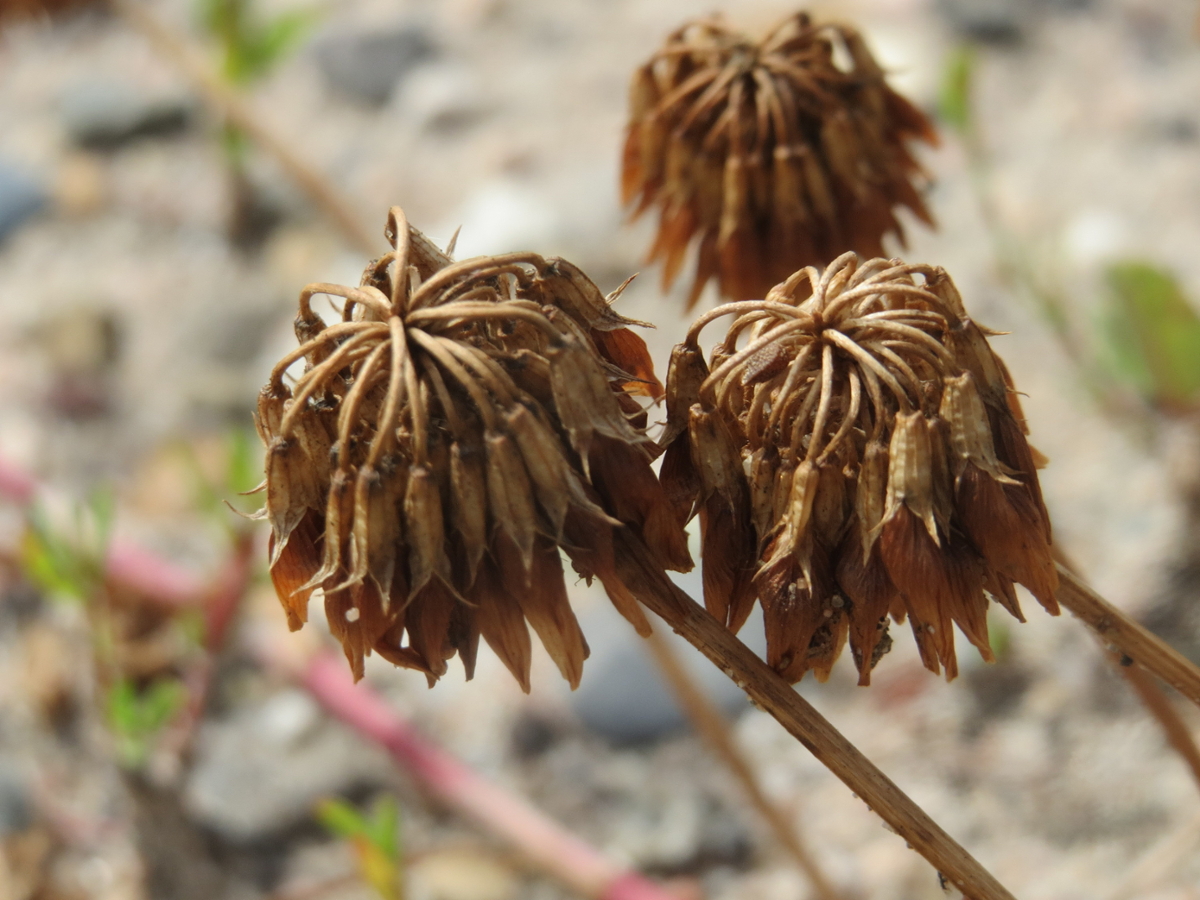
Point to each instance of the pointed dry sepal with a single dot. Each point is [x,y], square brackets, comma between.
[858,430]
[769,155]
[457,424]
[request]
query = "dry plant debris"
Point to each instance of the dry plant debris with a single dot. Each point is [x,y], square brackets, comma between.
[461,423]
[855,449]
[777,154]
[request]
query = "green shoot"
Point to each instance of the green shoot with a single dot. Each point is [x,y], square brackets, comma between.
[958,78]
[375,838]
[1154,335]
[69,565]
[136,717]
[250,44]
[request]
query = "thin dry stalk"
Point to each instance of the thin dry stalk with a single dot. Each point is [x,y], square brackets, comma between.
[1157,863]
[1118,630]
[229,106]
[772,693]
[1159,705]
[714,729]
[1150,692]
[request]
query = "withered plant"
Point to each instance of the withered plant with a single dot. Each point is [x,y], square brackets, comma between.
[854,450]
[775,154]
[859,453]
[460,424]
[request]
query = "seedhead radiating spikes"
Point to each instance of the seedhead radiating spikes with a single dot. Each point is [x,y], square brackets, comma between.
[854,450]
[438,450]
[772,155]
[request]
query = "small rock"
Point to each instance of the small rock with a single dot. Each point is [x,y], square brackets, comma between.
[504,215]
[624,698]
[461,874]
[262,770]
[441,96]
[20,198]
[366,66]
[82,346]
[16,814]
[104,115]
[998,22]
[80,185]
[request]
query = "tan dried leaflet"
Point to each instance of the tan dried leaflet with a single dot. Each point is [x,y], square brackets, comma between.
[460,424]
[856,450]
[776,155]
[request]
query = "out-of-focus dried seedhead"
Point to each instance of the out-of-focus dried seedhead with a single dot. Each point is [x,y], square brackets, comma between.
[777,154]
[856,450]
[461,423]
[11,10]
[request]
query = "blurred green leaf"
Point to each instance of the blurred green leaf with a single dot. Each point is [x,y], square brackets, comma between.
[280,37]
[242,473]
[341,819]
[136,717]
[69,563]
[1154,334]
[375,839]
[250,45]
[958,78]
[244,469]
[51,564]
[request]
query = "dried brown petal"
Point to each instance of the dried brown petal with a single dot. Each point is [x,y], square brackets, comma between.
[293,566]
[1003,522]
[502,623]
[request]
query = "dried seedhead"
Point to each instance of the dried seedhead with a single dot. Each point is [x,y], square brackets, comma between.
[855,449]
[778,155]
[460,424]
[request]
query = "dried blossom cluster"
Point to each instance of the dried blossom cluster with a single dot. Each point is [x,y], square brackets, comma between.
[856,450]
[461,423]
[777,154]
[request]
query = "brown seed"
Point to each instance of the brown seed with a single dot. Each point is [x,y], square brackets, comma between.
[469,500]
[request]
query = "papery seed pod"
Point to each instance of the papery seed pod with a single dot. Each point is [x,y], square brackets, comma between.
[772,155]
[456,425]
[879,478]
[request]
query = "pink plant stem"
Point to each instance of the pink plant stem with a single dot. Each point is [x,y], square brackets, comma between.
[541,841]
[544,843]
[126,565]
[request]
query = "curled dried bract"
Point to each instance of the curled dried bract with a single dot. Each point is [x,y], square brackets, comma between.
[775,154]
[860,453]
[461,423]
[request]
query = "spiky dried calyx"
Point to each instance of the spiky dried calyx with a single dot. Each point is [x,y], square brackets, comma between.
[859,425]
[777,154]
[459,425]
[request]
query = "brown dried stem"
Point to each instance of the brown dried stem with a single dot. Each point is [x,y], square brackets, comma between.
[771,692]
[1132,639]
[714,729]
[1159,705]
[1150,692]
[232,108]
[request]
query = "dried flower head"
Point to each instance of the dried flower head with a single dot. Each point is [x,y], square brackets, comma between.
[855,449]
[778,155]
[460,424]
